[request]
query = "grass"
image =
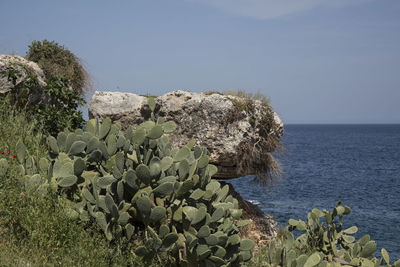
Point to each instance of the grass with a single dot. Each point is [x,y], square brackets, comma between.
[35,231]
[243,94]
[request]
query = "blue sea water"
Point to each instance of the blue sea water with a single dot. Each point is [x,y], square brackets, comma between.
[357,164]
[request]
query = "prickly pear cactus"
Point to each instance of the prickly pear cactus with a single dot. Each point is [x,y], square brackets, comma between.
[35,172]
[3,167]
[133,181]
[323,243]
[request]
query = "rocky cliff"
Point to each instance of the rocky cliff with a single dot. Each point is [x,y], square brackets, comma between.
[239,133]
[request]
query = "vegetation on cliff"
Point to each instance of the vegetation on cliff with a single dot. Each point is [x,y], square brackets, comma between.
[256,154]
[53,105]
[37,228]
[102,197]
[57,61]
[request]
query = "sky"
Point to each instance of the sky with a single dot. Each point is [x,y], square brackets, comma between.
[319,61]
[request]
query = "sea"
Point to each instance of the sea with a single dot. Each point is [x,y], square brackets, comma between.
[322,164]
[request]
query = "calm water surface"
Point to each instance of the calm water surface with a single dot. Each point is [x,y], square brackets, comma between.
[358,164]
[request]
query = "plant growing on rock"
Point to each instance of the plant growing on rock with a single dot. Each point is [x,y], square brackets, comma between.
[50,102]
[56,110]
[133,182]
[256,154]
[56,60]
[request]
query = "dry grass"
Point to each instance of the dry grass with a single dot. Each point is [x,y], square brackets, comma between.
[254,157]
[246,95]
[243,94]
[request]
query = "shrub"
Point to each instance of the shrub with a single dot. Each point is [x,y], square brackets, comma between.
[60,110]
[56,60]
[57,111]
[53,107]
[133,182]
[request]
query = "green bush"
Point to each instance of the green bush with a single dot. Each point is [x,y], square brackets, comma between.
[133,182]
[54,107]
[58,108]
[61,108]
[56,60]
[63,70]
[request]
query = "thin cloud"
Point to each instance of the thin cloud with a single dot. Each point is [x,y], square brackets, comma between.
[266,9]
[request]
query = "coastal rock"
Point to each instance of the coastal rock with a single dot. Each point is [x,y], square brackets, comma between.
[15,70]
[262,226]
[239,133]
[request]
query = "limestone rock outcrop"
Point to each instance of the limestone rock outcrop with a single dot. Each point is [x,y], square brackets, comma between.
[262,227]
[15,70]
[239,133]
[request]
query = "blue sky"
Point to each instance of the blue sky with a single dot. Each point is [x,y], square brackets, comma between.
[320,61]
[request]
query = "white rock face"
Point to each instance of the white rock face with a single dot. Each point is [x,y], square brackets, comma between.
[23,68]
[214,120]
[104,104]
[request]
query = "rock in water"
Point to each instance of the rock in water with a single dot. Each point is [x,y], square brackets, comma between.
[239,133]
[15,70]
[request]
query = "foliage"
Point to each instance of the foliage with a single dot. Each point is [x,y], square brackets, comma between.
[12,75]
[38,226]
[56,60]
[54,106]
[15,125]
[323,243]
[23,96]
[61,108]
[133,182]
[34,230]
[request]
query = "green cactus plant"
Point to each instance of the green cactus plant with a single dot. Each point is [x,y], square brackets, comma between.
[3,167]
[132,182]
[323,243]
[21,152]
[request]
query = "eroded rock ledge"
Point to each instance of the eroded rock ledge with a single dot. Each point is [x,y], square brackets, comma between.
[239,133]
[262,227]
